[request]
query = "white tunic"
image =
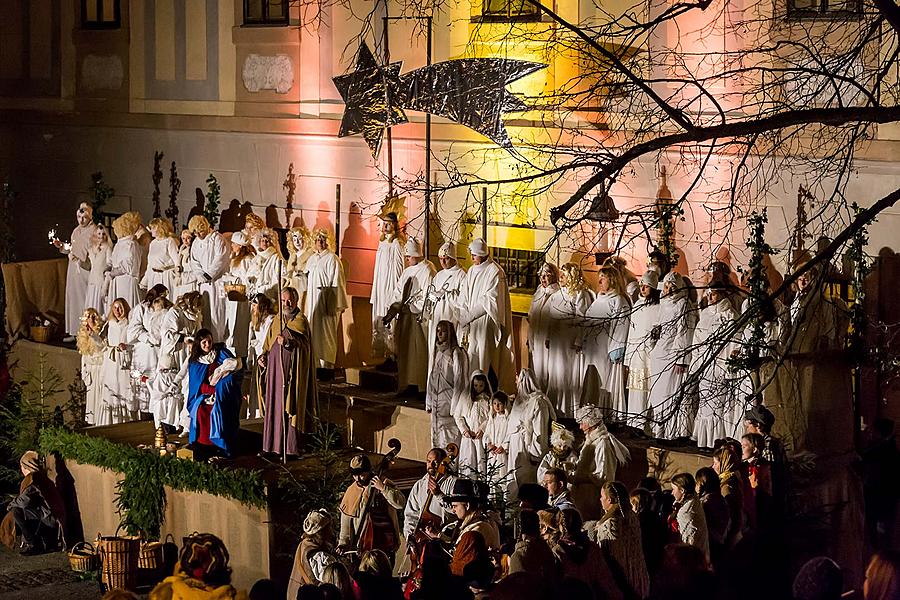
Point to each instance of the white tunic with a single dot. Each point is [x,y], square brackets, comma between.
[163,261]
[185,280]
[472,417]
[77,275]
[263,274]
[115,375]
[637,356]
[91,368]
[496,433]
[487,321]
[98,286]
[600,457]
[126,271]
[326,299]
[210,259]
[709,370]
[388,268]
[447,381]
[529,432]
[410,337]
[608,321]
[671,349]
[443,295]
[540,324]
[295,272]
[166,393]
[237,312]
[566,332]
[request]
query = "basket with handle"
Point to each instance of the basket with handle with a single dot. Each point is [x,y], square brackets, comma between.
[150,563]
[83,557]
[119,557]
[40,333]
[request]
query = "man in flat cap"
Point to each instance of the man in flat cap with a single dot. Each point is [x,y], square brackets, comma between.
[369,511]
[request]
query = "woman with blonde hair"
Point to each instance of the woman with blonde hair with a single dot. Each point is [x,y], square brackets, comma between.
[883,576]
[608,321]
[540,322]
[566,339]
[267,265]
[99,255]
[299,245]
[125,275]
[618,533]
[91,347]
[163,258]
[114,373]
[210,260]
[186,282]
[237,306]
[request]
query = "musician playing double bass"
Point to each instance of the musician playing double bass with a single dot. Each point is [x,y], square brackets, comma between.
[369,511]
[416,515]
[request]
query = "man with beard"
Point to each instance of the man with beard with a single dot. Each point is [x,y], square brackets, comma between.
[369,511]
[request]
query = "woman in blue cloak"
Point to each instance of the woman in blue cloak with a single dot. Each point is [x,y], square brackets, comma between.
[214,395]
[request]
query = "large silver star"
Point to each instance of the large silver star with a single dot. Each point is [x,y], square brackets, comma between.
[372,98]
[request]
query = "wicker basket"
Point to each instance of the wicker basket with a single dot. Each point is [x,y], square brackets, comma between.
[119,556]
[150,563]
[83,558]
[40,333]
[236,292]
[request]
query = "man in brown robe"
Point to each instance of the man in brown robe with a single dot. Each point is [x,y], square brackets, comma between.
[288,368]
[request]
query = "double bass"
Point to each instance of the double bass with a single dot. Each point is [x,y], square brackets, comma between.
[364,537]
[427,520]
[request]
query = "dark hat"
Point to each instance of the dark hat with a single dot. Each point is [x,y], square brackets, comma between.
[467,490]
[760,414]
[819,579]
[360,464]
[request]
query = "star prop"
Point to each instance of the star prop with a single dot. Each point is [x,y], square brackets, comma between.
[372,96]
[470,91]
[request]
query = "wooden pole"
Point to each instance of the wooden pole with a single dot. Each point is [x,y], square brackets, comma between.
[337,218]
[484,214]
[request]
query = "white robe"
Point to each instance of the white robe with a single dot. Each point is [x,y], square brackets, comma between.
[471,416]
[237,312]
[115,376]
[163,261]
[443,296]
[166,387]
[487,318]
[126,271]
[145,329]
[709,370]
[91,369]
[77,275]
[540,324]
[496,432]
[529,434]
[210,259]
[671,349]
[600,457]
[98,286]
[263,274]
[607,319]
[185,281]
[388,268]
[637,356]
[294,274]
[326,299]
[410,336]
[447,381]
[566,331]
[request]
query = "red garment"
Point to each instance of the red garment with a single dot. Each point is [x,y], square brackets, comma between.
[205,410]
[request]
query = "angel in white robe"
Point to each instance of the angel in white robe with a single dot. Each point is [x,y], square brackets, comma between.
[530,416]
[566,339]
[607,319]
[99,255]
[168,386]
[185,281]
[388,268]
[599,460]
[267,265]
[78,270]
[410,337]
[442,300]
[300,248]
[669,359]
[210,259]
[163,259]
[91,346]
[471,416]
[262,315]
[540,323]
[326,299]
[486,317]
[115,374]
[644,317]
[237,306]
[496,442]
[125,275]
[447,383]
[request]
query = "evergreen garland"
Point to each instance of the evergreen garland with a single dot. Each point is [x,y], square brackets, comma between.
[157,178]
[213,195]
[101,192]
[140,496]
[175,186]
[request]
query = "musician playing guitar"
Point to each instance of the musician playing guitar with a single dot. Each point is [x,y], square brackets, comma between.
[369,511]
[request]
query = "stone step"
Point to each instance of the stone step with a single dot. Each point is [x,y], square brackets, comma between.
[371,378]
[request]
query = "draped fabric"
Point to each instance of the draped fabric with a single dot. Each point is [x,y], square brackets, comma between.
[326,299]
[77,275]
[539,328]
[224,415]
[388,268]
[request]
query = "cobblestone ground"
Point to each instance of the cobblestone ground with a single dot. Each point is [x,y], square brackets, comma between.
[40,577]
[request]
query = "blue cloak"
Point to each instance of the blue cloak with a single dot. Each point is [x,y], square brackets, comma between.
[225,420]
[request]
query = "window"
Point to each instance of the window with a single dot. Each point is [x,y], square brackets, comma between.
[101,14]
[266,12]
[824,9]
[521,267]
[510,10]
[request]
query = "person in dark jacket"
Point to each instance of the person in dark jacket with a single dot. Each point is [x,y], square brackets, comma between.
[36,513]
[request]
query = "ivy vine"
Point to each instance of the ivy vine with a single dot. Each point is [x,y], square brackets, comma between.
[213,196]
